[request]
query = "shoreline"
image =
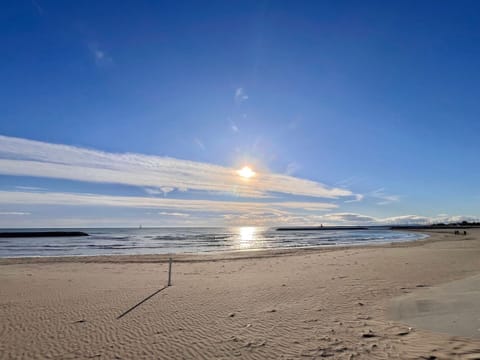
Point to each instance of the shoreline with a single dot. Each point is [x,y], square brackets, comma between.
[206,256]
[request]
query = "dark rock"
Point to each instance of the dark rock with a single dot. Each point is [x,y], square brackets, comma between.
[19,234]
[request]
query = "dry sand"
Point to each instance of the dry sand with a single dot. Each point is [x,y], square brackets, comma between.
[339,303]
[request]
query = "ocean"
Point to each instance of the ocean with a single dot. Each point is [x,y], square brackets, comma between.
[189,240]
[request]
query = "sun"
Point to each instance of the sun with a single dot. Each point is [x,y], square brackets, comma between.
[246,172]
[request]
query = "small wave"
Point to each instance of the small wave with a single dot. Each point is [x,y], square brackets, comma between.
[102,237]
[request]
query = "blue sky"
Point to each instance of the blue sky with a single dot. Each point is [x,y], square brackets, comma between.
[119,114]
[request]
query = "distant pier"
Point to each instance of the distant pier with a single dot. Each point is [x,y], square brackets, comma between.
[312,228]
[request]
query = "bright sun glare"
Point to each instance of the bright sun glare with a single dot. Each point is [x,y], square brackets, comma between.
[246,172]
[247,237]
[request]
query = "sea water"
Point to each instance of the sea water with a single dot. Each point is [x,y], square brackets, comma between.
[189,240]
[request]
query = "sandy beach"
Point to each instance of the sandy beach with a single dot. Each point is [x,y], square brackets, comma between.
[371,302]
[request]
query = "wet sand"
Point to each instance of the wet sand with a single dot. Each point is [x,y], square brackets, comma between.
[452,308]
[334,303]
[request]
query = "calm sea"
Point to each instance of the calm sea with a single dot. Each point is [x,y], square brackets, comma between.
[189,240]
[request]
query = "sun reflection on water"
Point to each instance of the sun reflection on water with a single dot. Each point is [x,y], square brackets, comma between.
[247,237]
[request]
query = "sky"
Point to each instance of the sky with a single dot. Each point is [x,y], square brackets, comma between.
[142,112]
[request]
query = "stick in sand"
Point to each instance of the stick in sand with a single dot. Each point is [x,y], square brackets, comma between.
[169,272]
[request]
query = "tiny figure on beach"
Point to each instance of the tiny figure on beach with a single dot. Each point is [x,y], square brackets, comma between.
[457,232]
[464,233]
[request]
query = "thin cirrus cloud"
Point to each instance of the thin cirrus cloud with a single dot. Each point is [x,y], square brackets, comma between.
[173,214]
[384,198]
[240,95]
[14,213]
[234,127]
[357,198]
[25,157]
[101,57]
[256,213]
[166,204]
[164,190]
[29,188]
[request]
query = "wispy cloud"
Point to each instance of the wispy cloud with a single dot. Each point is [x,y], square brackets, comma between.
[100,56]
[348,182]
[357,198]
[153,191]
[383,197]
[164,190]
[219,212]
[39,159]
[80,199]
[196,211]
[199,143]
[161,191]
[292,168]
[240,95]
[173,214]
[13,213]
[234,127]
[29,188]
[348,217]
